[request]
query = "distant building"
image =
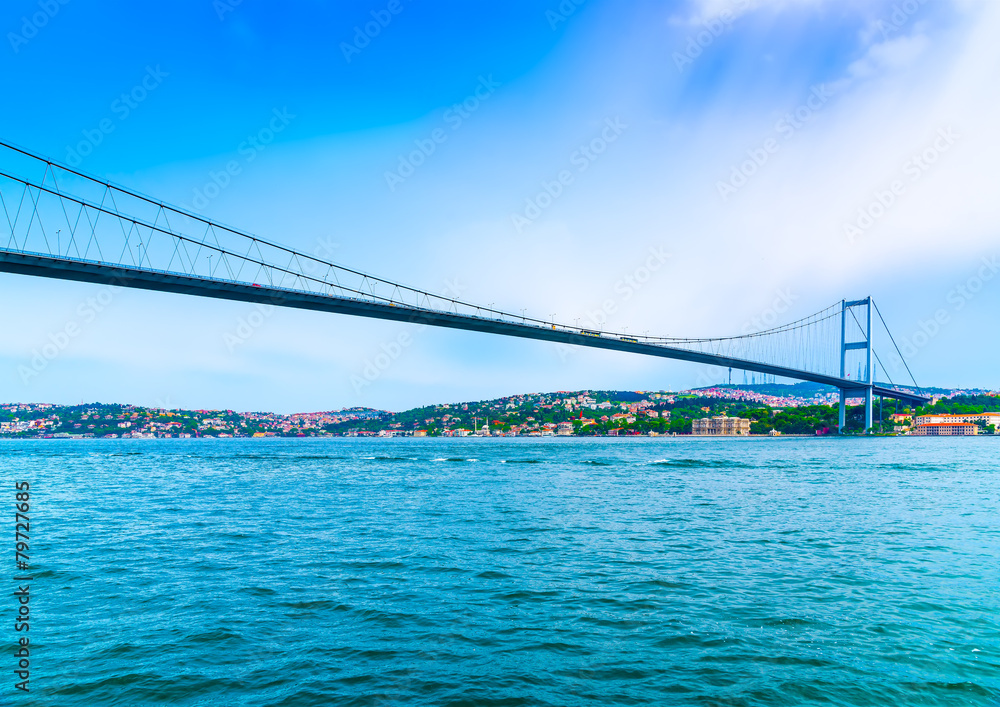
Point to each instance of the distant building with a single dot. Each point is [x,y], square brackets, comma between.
[942,429]
[419,433]
[721,425]
[564,429]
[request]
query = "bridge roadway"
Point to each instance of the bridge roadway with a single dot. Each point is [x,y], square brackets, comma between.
[41,265]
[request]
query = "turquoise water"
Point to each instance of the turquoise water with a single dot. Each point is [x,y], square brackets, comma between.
[509,572]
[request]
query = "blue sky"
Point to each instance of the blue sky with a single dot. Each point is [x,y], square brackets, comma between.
[694,90]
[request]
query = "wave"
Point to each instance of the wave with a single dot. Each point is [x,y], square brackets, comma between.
[700,464]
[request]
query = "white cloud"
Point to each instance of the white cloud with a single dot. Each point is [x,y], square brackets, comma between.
[883,57]
[890,55]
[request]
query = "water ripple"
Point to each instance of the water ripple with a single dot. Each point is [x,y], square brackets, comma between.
[513,572]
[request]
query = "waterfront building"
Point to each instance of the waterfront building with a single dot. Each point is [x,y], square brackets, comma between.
[943,429]
[986,418]
[720,425]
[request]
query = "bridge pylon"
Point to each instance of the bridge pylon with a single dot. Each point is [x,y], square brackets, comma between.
[865,383]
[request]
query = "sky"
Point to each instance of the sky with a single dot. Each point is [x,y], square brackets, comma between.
[749,160]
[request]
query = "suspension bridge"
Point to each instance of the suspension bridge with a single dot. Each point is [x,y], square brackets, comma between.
[61,223]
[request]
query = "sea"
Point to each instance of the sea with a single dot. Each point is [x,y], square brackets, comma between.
[503,572]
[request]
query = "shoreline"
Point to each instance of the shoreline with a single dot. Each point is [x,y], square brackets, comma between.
[470,437]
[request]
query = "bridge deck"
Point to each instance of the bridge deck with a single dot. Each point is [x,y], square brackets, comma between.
[41,265]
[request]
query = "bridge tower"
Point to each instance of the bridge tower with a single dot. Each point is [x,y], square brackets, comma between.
[865,344]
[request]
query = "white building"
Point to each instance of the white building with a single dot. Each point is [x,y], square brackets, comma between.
[721,425]
[986,418]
